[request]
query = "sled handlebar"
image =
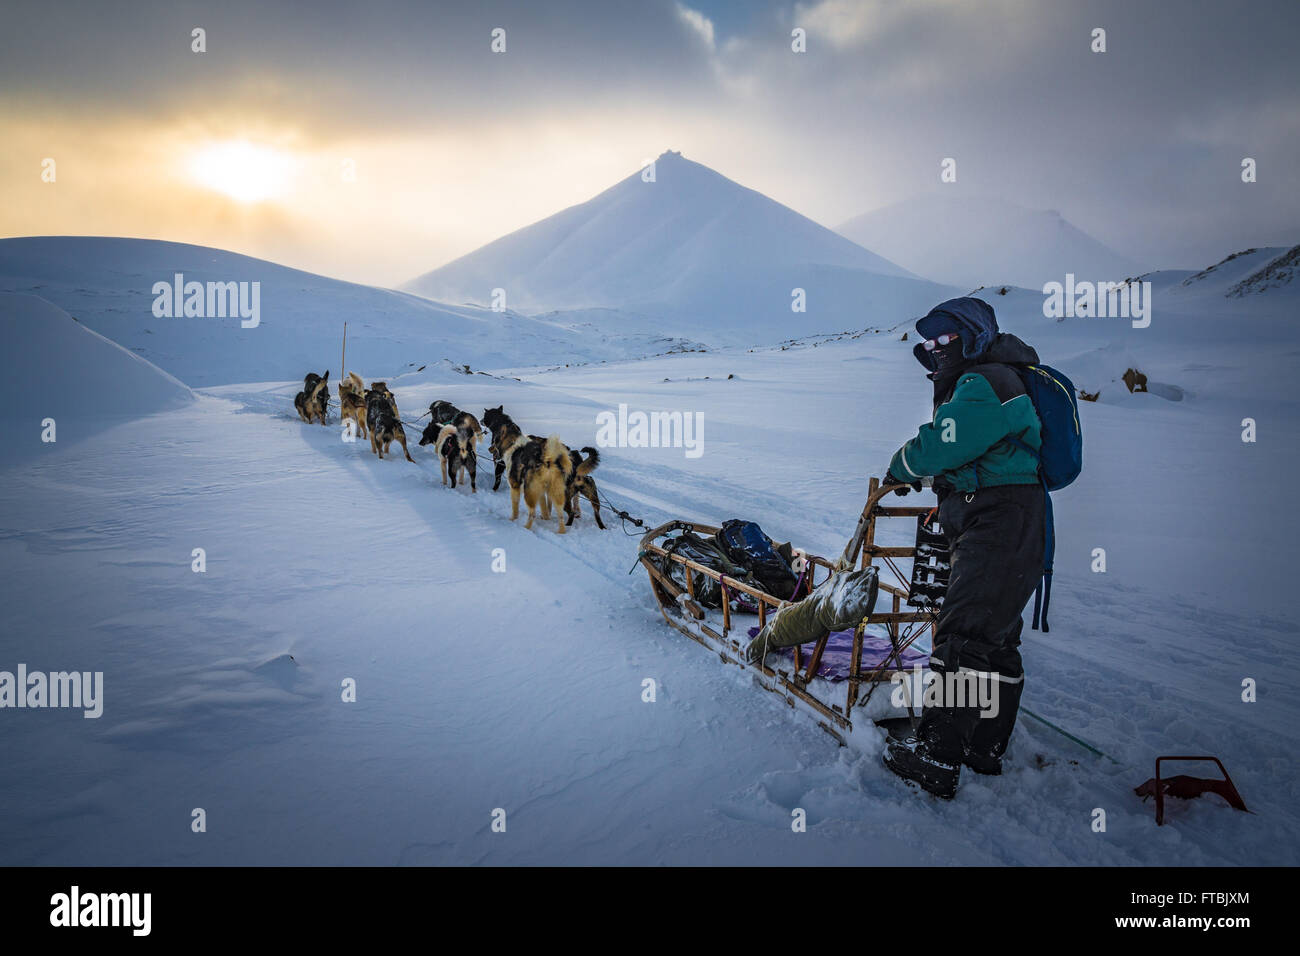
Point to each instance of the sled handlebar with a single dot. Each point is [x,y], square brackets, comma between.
[875,492]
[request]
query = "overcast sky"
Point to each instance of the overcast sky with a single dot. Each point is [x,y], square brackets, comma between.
[453,145]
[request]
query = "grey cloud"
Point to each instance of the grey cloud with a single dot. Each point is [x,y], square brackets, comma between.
[1140,145]
[389,62]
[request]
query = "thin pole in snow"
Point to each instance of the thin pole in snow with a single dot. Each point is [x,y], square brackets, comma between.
[343,370]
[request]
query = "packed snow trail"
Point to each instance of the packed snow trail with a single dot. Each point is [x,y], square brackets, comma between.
[476,690]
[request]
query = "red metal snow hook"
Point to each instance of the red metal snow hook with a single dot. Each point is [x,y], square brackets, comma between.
[1187,787]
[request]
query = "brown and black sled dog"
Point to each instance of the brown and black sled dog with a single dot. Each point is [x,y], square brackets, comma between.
[581,483]
[504,433]
[547,473]
[313,401]
[383,421]
[444,413]
[539,469]
[352,402]
[578,481]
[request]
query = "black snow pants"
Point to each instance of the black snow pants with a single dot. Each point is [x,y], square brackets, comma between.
[995,536]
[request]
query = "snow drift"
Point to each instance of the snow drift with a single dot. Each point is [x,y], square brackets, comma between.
[52,366]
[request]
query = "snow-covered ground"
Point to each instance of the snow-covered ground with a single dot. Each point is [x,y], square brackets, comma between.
[522,690]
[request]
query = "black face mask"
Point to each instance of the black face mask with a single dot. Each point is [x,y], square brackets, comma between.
[948,364]
[948,357]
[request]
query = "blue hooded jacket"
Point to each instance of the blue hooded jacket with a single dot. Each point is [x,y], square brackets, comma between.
[972,319]
[977,409]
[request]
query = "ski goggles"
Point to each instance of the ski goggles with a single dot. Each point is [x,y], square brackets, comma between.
[931,344]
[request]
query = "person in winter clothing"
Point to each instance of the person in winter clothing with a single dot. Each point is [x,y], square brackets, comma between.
[991,510]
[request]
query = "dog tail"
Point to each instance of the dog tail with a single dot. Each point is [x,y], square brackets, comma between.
[555,453]
[591,463]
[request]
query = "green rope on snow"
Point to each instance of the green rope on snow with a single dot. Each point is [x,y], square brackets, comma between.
[1064,733]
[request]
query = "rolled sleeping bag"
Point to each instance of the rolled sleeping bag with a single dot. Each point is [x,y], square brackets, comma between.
[837,604]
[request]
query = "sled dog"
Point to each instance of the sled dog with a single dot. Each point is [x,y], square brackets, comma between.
[580,483]
[444,413]
[383,422]
[382,389]
[539,470]
[466,420]
[455,449]
[504,433]
[352,402]
[313,401]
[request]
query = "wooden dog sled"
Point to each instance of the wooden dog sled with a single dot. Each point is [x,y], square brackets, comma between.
[798,683]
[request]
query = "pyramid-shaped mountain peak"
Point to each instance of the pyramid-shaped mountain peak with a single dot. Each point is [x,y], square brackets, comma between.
[677,241]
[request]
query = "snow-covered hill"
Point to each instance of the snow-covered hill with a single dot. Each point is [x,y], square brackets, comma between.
[53,367]
[107,284]
[709,257]
[971,241]
[1279,273]
[1248,273]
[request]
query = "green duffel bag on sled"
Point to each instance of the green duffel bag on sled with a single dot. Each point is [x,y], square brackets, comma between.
[837,604]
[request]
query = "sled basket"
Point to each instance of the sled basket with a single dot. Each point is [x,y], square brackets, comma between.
[799,680]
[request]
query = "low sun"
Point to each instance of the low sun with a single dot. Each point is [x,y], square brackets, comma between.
[242,170]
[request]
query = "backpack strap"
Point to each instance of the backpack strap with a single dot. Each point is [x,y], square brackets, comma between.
[1002,378]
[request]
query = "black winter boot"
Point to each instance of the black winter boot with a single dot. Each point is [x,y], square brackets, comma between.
[912,760]
[987,764]
[932,756]
[988,742]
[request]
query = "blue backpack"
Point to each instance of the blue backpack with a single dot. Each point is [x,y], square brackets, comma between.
[1060,459]
[745,543]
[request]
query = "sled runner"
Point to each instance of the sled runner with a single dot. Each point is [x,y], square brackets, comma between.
[743,608]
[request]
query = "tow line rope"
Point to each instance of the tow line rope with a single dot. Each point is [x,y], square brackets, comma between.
[623,516]
[333,403]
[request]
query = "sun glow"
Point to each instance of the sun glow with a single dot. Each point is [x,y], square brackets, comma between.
[242,170]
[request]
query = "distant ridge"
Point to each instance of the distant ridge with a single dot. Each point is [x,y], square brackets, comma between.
[981,241]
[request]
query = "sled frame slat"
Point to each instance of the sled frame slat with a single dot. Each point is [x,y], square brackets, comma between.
[679,609]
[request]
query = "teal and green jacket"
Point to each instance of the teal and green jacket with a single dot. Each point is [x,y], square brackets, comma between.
[967,446]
